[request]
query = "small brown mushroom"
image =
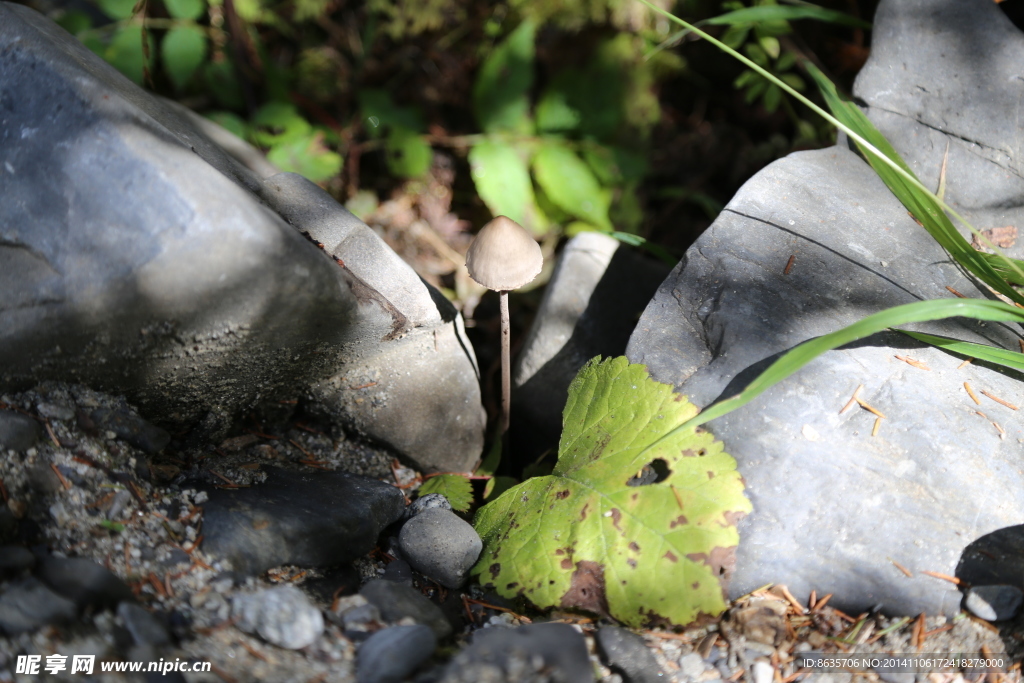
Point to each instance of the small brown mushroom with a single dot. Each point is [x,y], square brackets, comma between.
[503,257]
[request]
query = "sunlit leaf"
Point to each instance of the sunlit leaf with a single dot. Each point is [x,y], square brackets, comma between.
[125,53]
[570,184]
[233,123]
[408,154]
[502,180]
[455,487]
[306,156]
[554,113]
[622,527]
[279,122]
[117,9]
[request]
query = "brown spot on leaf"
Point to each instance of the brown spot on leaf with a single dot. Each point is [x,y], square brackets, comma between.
[671,556]
[722,562]
[678,521]
[586,589]
[733,517]
[494,569]
[688,453]
[566,563]
[695,585]
[631,562]
[583,512]
[562,495]
[616,516]
[559,552]
[510,586]
[711,475]
[634,547]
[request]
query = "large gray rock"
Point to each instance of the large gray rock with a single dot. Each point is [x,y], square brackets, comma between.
[597,291]
[834,507]
[138,256]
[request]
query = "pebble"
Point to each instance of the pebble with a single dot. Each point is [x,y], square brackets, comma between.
[355,613]
[15,559]
[17,432]
[282,616]
[131,428]
[392,654]
[28,604]
[762,672]
[306,519]
[397,601]
[84,582]
[146,628]
[994,603]
[518,654]
[430,501]
[692,665]
[399,571]
[441,545]
[627,654]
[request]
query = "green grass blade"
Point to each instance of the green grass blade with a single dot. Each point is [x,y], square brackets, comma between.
[922,204]
[803,354]
[761,13]
[1013,275]
[992,354]
[931,209]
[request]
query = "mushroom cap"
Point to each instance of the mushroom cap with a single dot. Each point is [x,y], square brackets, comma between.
[504,256]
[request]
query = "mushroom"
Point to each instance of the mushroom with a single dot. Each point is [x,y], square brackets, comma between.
[504,257]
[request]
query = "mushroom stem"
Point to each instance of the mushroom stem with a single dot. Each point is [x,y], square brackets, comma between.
[506,370]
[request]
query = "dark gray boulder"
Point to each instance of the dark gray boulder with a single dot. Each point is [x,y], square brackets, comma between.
[534,653]
[836,508]
[391,655]
[307,519]
[137,256]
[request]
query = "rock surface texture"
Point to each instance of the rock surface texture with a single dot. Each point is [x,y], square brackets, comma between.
[835,507]
[136,255]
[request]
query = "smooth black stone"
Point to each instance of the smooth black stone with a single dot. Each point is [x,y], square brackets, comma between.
[391,654]
[84,582]
[28,604]
[627,654]
[131,428]
[307,519]
[17,432]
[398,600]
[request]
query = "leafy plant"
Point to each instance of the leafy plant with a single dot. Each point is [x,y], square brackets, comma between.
[455,487]
[637,520]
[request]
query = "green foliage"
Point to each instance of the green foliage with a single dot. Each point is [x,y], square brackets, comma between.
[293,144]
[117,9]
[1008,359]
[406,18]
[571,185]
[125,52]
[183,51]
[502,178]
[455,487]
[186,9]
[408,154]
[500,93]
[593,535]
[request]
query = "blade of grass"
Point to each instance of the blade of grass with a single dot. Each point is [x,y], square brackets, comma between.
[797,358]
[761,13]
[638,241]
[923,203]
[992,354]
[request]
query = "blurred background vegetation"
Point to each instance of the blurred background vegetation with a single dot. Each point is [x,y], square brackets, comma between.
[427,117]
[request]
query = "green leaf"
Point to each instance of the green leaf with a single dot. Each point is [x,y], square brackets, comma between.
[408,154]
[615,165]
[500,93]
[921,203]
[220,81]
[502,180]
[183,51]
[797,358]
[455,487]
[185,9]
[772,98]
[278,123]
[589,537]
[555,114]
[117,9]
[497,486]
[654,249]
[125,52]
[766,13]
[992,354]
[306,156]
[116,527]
[570,184]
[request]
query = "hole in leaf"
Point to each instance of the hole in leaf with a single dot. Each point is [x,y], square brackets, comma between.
[653,472]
